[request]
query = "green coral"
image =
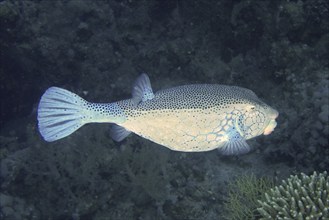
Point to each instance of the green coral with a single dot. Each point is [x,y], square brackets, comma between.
[299,197]
[244,192]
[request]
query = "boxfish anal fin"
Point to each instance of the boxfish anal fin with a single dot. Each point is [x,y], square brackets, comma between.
[118,133]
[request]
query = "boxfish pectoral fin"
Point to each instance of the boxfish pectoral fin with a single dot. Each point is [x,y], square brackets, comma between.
[236,144]
[142,89]
[118,133]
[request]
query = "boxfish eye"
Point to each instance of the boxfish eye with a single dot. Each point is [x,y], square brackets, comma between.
[251,108]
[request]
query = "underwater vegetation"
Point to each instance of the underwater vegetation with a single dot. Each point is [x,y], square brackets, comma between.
[244,193]
[278,49]
[298,197]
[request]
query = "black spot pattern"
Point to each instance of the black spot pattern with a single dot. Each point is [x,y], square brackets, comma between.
[199,96]
[103,111]
[197,117]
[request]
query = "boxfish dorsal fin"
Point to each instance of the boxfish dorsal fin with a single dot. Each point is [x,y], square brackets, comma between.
[142,89]
[118,133]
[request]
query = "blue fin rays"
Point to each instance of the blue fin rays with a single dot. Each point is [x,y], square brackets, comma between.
[142,89]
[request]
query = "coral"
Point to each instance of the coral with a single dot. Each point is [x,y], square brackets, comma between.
[279,49]
[243,196]
[299,197]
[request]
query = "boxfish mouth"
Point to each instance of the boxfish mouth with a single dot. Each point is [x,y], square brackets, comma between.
[272,123]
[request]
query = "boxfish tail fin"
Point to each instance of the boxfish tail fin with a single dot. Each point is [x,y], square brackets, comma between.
[60,113]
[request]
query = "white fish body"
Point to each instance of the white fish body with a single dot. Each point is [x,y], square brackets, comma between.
[188,118]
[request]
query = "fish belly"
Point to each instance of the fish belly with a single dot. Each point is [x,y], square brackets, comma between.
[189,130]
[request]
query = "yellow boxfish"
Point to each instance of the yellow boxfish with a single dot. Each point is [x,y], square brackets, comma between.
[189,118]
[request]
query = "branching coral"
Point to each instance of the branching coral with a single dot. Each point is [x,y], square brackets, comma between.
[299,197]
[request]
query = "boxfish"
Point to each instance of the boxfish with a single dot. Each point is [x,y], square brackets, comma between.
[188,118]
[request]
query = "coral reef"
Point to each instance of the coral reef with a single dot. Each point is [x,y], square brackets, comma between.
[278,49]
[298,197]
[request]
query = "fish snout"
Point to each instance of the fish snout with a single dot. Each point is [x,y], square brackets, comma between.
[272,123]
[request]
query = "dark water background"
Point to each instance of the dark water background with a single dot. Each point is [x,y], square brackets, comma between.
[278,49]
